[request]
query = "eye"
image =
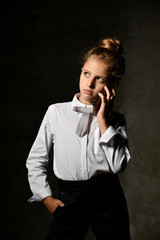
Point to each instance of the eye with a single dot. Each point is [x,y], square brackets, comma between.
[86,74]
[100,79]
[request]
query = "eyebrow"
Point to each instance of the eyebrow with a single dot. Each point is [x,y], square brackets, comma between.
[98,75]
[85,69]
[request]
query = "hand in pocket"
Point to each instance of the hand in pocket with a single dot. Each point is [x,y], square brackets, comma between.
[52,203]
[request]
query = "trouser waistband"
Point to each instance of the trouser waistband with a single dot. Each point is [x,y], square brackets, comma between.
[83,185]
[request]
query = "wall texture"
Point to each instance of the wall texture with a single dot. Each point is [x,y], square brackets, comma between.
[42,42]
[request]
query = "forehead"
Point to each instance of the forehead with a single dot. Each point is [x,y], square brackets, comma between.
[96,66]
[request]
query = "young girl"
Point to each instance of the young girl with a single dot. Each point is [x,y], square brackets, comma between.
[90,148]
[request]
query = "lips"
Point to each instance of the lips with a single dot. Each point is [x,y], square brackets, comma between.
[88,92]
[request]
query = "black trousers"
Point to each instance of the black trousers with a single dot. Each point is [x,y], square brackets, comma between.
[98,202]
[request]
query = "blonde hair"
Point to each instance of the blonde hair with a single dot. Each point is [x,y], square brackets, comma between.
[110,51]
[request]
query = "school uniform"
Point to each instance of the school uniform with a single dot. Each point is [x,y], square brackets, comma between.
[87,166]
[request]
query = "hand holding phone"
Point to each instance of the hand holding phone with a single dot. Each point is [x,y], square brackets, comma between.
[103,107]
[104,102]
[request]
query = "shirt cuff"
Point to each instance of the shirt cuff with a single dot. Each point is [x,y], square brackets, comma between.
[107,135]
[37,198]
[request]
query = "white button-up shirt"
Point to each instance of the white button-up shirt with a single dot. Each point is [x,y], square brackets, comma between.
[75,158]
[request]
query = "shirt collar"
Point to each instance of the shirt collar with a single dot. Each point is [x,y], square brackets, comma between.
[76,102]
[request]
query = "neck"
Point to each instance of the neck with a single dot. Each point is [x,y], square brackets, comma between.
[84,102]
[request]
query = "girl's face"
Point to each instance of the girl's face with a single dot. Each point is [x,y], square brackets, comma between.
[93,78]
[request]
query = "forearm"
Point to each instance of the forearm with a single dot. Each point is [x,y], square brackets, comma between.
[39,187]
[103,126]
[37,177]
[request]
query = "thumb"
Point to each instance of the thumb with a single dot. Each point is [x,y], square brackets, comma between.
[60,203]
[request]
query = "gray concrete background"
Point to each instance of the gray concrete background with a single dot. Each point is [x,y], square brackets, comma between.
[41,44]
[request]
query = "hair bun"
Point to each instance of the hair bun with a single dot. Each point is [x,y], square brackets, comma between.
[112,45]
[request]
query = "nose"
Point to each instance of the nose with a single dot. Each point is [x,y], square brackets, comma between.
[90,82]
